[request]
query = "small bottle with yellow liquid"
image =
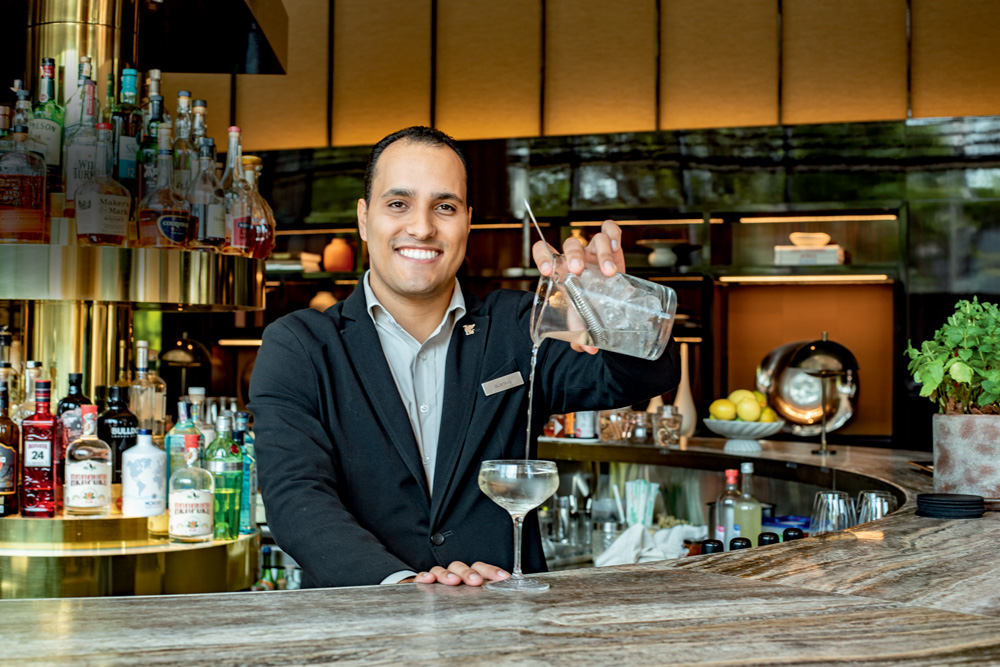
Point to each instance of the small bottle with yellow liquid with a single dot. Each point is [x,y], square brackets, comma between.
[747,513]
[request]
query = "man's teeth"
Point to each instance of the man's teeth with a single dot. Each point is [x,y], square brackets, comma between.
[414,253]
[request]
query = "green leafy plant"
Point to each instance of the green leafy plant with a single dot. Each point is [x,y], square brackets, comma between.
[959,368]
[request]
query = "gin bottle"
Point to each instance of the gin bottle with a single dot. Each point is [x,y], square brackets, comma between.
[185,152]
[160,392]
[174,442]
[144,478]
[46,126]
[248,496]
[726,527]
[118,427]
[10,447]
[142,393]
[126,123]
[33,373]
[102,203]
[262,234]
[224,460]
[199,412]
[192,498]
[80,152]
[239,224]
[208,203]
[22,193]
[164,213]
[38,491]
[87,475]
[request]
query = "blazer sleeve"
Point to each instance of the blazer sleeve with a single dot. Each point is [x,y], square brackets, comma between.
[298,478]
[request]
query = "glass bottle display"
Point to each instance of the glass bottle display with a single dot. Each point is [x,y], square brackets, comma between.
[102,204]
[118,427]
[174,443]
[239,223]
[726,527]
[142,393]
[164,213]
[6,144]
[199,122]
[192,498]
[46,125]
[109,99]
[262,218]
[153,78]
[75,103]
[748,509]
[23,112]
[70,414]
[8,373]
[80,152]
[38,490]
[185,152]
[225,461]
[10,446]
[87,474]
[147,157]
[248,494]
[22,193]
[160,392]
[199,412]
[32,374]
[208,202]
[144,478]
[126,124]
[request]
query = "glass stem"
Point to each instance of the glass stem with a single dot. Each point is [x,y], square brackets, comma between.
[518,522]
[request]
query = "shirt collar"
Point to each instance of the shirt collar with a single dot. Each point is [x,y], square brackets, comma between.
[379,312]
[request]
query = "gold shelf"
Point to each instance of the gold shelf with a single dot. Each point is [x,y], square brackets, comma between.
[150,278]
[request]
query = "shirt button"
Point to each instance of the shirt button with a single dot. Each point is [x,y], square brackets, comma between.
[437,539]
[427,460]
[424,409]
[423,356]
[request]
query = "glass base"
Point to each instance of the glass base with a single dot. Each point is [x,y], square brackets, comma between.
[517,584]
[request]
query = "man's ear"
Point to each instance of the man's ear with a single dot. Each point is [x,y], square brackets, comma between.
[363,219]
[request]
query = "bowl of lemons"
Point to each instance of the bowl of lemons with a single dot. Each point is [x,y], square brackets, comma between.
[744,418]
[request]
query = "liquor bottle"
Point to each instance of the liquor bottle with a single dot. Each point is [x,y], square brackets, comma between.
[164,213]
[265,581]
[10,445]
[124,377]
[199,122]
[725,511]
[160,389]
[153,77]
[208,202]
[38,491]
[126,121]
[46,126]
[239,224]
[147,157]
[102,203]
[32,374]
[118,427]
[199,413]
[8,373]
[109,99]
[142,394]
[263,225]
[80,151]
[748,508]
[192,498]
[75,103]
[185,152]
[22,193]
[248,494]
[144,478]
[87,490]
[23,113]
[174,442]
[225,461]
[70,414]
[6,143]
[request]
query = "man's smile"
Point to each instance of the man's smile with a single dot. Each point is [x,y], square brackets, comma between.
[419,253]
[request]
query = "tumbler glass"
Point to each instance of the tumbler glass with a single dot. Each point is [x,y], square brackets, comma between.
[832,511]
[874,505]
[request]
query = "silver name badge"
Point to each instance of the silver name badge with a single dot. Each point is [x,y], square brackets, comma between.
[503,383]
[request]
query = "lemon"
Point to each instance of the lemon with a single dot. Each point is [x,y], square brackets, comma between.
[722,408]
[748,409]
[761,398]
[741,394]
[768,415]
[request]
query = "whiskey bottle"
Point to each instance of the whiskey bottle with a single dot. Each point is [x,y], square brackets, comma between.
[118,427]
[164,213]
[70,414]
[126,123]
[208,202]
[87,490]
[46,126]
[38,492]
[224,460]
[192,492]
[248,496]
[144,478]
[80,152]
[262,218]
[22,193]
[239,224]
[10,445]
[185,152]
[147,162]
[102,203]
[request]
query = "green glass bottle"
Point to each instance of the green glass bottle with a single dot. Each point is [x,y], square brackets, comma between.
[148,154]
[126,121]
[224,460]
[46,127]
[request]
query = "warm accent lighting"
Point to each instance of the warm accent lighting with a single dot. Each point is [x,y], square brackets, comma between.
[506,225]
[635,223]
[688,339]
[822,218]
[241,342]
[294,232]
[839,279]
[345,282]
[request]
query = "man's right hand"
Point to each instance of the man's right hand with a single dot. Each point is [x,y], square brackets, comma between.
[459,573]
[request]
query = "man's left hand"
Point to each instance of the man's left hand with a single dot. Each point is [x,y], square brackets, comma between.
[459,573]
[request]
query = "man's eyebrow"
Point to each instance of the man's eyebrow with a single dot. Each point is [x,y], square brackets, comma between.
[398,192]
[448,196]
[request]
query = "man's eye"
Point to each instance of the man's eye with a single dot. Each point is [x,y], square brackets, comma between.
[447,207]
[396,204]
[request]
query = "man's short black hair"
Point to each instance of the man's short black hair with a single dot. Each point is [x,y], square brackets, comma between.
[417,134]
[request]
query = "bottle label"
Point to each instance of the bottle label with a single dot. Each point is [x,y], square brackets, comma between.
[191,513]
[224,466]
[8,470]
[102,214]
[241,227]
[127,149]
[88,484]
[143,484]
[48,136]
[80,164]
[211,220]
[124,432]
[37,451]
[150,173]
[171,226]
[22,192]
[21,222]
[585,425]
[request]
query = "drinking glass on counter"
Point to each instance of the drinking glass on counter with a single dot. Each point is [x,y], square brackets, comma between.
[667,426]
[874,505]
[832,511]
[518,486]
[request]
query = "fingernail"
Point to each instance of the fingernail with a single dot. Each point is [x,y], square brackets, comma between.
[609,266]
[475,577]
[614,245]
[575,265]
[452,577]
[503,573]
[546,267]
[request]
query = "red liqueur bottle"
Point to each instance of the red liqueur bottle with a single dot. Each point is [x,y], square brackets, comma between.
[38,492]
[9,446]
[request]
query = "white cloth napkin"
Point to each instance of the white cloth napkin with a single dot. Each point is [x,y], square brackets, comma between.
[636,545]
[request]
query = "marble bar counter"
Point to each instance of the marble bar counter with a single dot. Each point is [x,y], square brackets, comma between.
[904,590]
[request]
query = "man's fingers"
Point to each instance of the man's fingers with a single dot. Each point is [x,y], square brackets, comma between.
[490,572]
[468,576]
[442,576]
[542,253]
[574,252]
[584,348]
[601,254]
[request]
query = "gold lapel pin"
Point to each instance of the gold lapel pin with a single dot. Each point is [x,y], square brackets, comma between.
[469,329]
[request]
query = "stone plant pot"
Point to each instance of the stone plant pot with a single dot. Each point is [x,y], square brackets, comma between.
[967,456]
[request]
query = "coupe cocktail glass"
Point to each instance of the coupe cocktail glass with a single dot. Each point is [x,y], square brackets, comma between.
[518,486]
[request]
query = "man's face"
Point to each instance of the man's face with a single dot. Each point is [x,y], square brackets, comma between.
[417,223]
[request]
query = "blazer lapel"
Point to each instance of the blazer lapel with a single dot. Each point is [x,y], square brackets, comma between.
[366,356]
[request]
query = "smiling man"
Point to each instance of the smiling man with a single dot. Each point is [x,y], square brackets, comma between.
[372,418]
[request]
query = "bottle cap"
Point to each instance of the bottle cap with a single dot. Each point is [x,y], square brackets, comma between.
[711,546]
[205,150]
[48,61]
[738,543]
[128,71]
[145,431]
[75,378]
[200,103]
[20,129]
[746,467]
[4,364]
[196,391]
[223,424]
[792,534]
[154,74]
[104,126]
[116,393]
[43,389]
[731,476]
[33,364]
[233,129]
[767,538]
[142,343]
[156,97]
[183,93]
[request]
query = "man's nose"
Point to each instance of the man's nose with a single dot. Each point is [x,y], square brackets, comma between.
[421,224]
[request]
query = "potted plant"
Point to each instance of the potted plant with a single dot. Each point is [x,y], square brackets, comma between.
[959,369]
